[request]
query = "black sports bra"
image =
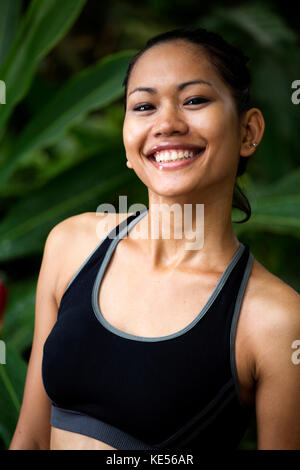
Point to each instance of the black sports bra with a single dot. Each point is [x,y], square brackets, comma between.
[178,391]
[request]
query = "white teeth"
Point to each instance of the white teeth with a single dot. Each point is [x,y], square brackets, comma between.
[171,155]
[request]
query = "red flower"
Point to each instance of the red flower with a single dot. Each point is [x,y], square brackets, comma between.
[3,300]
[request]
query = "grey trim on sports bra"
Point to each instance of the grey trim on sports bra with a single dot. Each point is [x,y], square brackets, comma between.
[87,425]
[233,328]
[116,331]
[79,423]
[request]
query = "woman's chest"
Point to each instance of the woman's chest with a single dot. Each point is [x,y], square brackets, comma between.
[142,302]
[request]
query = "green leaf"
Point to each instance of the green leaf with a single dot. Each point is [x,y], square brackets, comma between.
[18,324]
[275,207]
[288,184]
[9,19]
[45,23]
[261,23]
[81,188]
[12,381]
[279,214]
[92,88]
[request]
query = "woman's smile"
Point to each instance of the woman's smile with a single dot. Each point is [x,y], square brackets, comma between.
[174,159]
[173,155]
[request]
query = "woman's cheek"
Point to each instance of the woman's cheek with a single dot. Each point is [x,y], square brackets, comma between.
[213,123]
[131,135]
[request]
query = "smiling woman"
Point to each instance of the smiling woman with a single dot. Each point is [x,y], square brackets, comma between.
[143,343]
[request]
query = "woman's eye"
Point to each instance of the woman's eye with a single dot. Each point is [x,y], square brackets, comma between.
[197,100]
[143,107]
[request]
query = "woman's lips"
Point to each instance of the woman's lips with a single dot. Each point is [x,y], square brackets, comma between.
[173,165]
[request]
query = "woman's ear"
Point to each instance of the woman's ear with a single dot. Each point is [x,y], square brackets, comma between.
[252,130]
[128,164]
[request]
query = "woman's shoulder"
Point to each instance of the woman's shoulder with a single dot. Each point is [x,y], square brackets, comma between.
[87,224]
[79,234]
[272,314]
[269,295]
[75,238]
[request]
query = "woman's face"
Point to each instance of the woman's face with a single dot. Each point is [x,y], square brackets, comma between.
[169,113]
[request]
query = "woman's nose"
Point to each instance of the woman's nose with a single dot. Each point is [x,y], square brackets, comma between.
[169,122]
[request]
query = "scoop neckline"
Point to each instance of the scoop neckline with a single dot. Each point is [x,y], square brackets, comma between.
[116,331]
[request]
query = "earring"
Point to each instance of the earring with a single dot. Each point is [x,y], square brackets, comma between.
[253,144]
[128,164]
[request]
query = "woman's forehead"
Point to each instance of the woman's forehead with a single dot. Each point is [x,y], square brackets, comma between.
[176,61]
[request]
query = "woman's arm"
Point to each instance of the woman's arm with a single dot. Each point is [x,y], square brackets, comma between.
[33,427]
[78,231]
[278,370]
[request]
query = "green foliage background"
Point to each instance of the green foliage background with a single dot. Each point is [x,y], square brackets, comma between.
[61,149]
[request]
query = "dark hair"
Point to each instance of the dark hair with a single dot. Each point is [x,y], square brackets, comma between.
[231,63]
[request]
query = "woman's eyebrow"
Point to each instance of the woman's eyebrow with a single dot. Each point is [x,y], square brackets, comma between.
[180,87]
